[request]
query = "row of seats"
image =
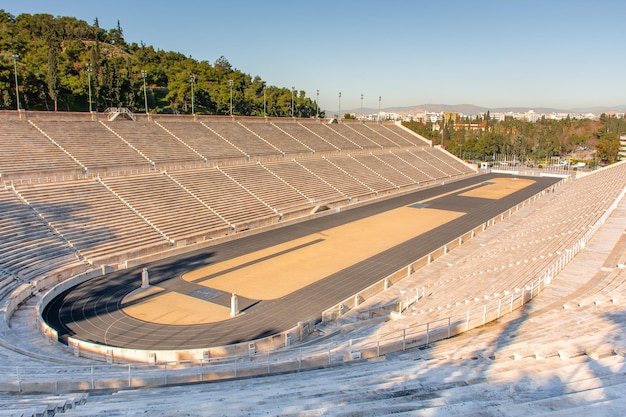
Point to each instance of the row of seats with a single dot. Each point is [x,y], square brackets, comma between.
[43,148]
[90,143]
[41,405]
[25,150]
[29,246]
[90,219]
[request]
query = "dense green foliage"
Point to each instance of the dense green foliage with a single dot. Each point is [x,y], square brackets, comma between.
[58,57]
[484,139]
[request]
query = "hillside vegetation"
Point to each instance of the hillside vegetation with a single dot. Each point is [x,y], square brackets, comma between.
[57,58]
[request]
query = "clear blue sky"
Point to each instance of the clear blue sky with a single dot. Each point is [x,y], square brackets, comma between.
[500,53]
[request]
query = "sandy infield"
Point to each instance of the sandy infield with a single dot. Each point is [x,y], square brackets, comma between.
[499,188]
[268,277]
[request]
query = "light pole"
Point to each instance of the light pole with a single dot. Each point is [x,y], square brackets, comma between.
[89,81]
[317,105]
[264,101]
[230,83]
[145,94]
[339,111]
[293,89]
[379,98]
[192,80]
[17,88]
[362,107]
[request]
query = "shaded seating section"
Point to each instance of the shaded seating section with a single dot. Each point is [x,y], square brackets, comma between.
[376,135]
[167,206]
[154,142]
[204,141]
[299,131]
[268,188]
[93,145]
[91,219]
[28,247]
[278,138]
[237,135]
[331,136]
[362,173]
[385,170]
[342,181]
[24,151]
[362,141]
[224,197]
[306,182]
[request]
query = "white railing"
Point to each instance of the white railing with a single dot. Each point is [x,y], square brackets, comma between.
[114,112]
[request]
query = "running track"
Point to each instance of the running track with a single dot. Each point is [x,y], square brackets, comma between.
[91,311]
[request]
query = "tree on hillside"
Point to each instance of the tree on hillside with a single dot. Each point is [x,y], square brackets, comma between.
[53,76]
[608,147]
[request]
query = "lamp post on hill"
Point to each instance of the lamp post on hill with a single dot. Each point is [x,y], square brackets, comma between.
[17,88]
[361,107]
[192,80]
[293,89]
[145,94]
[317,105]
[264,101]
[339,111]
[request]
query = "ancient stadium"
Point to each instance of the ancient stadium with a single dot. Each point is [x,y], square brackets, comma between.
[203,265]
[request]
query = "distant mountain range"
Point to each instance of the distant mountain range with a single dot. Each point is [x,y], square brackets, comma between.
[472,110]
